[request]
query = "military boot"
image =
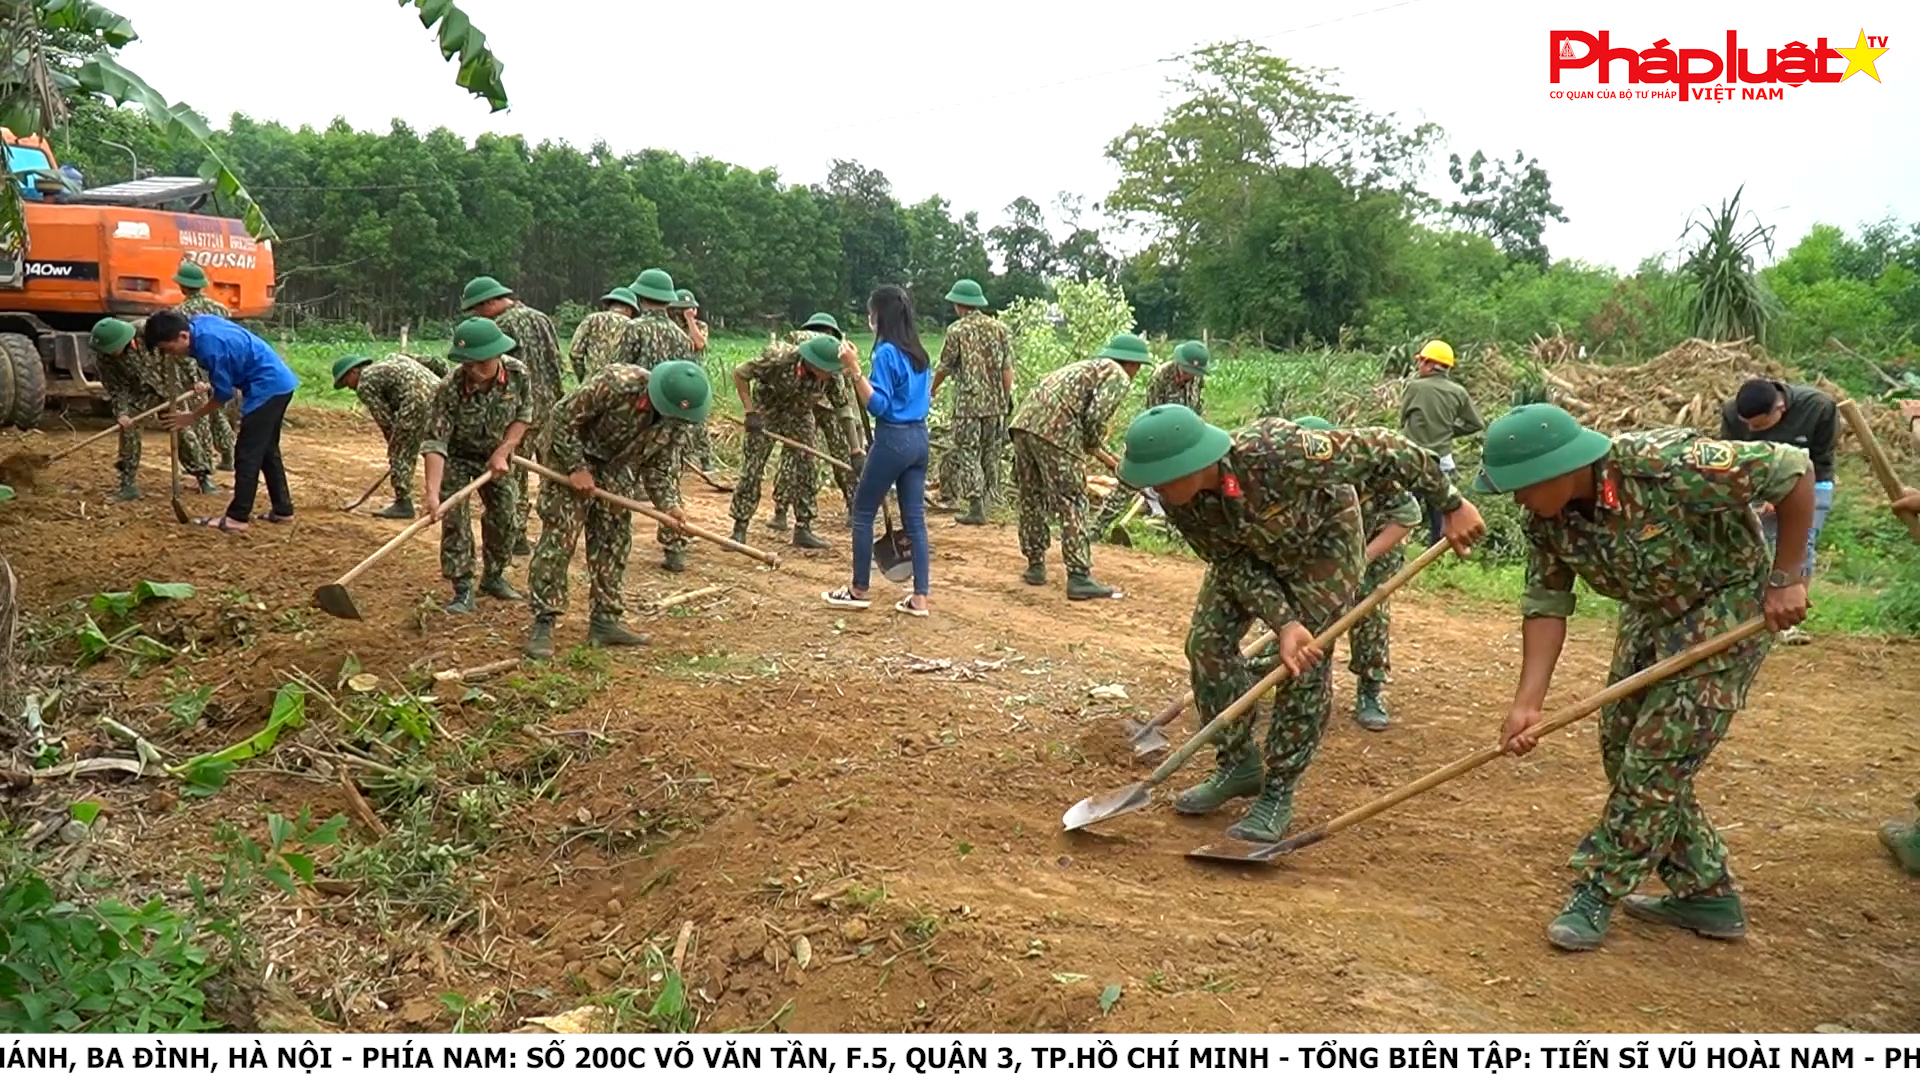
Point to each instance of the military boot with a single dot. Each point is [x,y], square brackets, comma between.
[1582,924]
[540,641]
[128,491]
[1902,838]
[1267,819]
[1232,778]
[1083,587]
[976,513]
[778,522]
[804,539]
[521,547]
[1720,917]
[675,561]
[207,486]
[462,603]
[225,464]
[397,510]
[496,586]
[1368,710]
[606,630]
[739,532]
[1036,574]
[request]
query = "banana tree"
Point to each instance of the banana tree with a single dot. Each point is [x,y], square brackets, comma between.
[35,88]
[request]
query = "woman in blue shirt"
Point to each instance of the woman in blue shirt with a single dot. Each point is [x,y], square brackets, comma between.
[898,393]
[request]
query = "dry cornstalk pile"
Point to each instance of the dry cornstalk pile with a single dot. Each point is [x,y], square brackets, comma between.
[1559,349]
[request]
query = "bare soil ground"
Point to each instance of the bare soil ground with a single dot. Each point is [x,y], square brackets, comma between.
[770,769]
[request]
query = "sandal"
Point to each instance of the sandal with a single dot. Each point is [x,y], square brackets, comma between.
[219,521]
[843,597]
[279,519]
[906,605]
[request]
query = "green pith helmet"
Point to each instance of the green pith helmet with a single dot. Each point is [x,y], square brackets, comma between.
[1168,442]
[620,294]
[479,340]
[111,335]
[1317,423]
[345,364]
[1535,443]
[684,299]
[824,323]
[1192,357]
[679,389]
[190,276]
[1127,349]
[656,285]
[967,293]
[821,353]
[480,290]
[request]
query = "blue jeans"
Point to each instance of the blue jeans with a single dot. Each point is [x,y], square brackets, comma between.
[1436,521]
[1822,505]
[897,460]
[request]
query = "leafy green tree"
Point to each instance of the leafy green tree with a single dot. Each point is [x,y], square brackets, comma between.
[1511,204]
[942,249]
[1025,249]
[859,203]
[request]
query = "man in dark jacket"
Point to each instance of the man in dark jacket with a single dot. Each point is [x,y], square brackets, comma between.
[1769,411]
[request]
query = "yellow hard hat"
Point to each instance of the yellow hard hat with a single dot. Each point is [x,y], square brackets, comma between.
[1437,351]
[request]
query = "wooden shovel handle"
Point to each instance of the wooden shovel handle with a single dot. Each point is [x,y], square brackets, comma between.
[115,429]
[1180,704]
[1280,673]
[796,444]
[412,530]
[644,510]
[1627,687]
[1877,457]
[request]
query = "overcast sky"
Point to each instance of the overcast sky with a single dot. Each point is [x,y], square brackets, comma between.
[987,100]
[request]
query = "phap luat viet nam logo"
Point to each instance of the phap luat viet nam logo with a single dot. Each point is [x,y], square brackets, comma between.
[1692,74]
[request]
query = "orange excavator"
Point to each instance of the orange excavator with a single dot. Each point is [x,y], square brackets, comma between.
[110,250]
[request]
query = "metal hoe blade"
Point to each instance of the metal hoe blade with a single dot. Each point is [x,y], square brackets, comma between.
[334,599]
[1102,807]
[1240,851]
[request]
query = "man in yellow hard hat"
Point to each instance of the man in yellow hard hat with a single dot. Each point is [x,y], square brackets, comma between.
[1434,411]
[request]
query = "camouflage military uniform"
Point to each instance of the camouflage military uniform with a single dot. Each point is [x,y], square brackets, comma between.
[1062,420]
[601,428]
[1369,651]
[836,416]
[136,380]
[465,427]
[783,395]
[976,356]
[1164,387]
[398,393]
[215,430]
[439,365]
[596,342]
[1670,537]
[651,338]
[537,347]
[1282,540]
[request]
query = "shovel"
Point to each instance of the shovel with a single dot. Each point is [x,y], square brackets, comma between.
[893,551]
[1150,738]
[1243,852]
[797,445]
[1136,796]
[333,597]
[712,482]
[644,510]
[1118,535]
[19,469]
[375,486]
[179,508]
[1877,457]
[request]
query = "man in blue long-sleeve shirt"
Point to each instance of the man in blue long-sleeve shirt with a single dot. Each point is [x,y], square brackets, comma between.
[236,361]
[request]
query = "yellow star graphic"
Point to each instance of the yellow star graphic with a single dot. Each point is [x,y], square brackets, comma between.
[1860,59]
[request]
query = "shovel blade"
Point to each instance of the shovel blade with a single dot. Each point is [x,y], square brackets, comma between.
[1119,537]
[1230,850]
[180,511]
[334,599]
[1149,740]
[893,554]
[1103,807]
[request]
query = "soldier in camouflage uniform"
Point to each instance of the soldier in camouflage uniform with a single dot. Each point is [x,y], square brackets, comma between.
[1176,382]
[652,336]
[136,380]
[1660,522]
[836,416]
[1061,422]
[685,310]
[1387,521]
[217,429]
[480,414]
[596,341]
[1902,838]
[1272,510]
[622,430]
[398,394]
[978,356]
[538,349]
[778,392]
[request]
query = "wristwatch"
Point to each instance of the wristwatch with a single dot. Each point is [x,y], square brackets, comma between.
[1780,579]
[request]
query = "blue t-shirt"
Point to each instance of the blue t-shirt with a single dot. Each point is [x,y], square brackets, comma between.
[901,395]
[236,359]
